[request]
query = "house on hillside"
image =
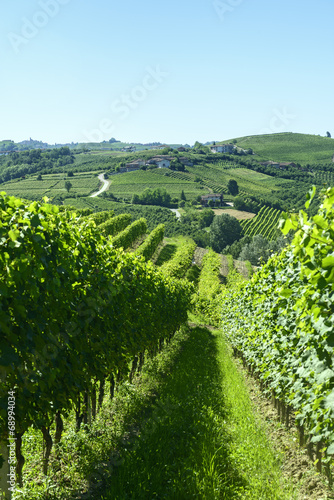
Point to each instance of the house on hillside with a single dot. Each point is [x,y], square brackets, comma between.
[129,149]
[270,164]
[211,197]
[222,148]
[134,165]
[162,161]
[275,164]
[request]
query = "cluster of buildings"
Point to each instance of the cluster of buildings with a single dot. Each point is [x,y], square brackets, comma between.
[222,148]
[281,166]
[161,161]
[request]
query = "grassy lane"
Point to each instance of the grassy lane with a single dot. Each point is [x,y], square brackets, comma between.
[201,440]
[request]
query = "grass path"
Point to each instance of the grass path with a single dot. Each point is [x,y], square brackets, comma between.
[201,439]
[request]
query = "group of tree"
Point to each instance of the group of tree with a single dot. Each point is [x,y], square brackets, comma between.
[259,249]
[150,196]
[20,164]
[224,230]
[177,165]
[198,218]
[246,205]
[233,187]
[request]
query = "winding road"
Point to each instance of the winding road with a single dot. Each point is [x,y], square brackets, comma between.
[105,186]
[176,212]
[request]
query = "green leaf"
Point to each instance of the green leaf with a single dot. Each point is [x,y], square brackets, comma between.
[14,234]
[328,261]
[310,195]
[329,401]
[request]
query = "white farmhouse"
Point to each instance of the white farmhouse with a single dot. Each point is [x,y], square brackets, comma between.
[222,148]
[160,161]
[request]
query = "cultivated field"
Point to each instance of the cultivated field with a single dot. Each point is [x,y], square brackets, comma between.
[82,184]
[300,148]
[129,183]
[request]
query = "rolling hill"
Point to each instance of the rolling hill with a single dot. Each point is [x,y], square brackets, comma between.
[288,146]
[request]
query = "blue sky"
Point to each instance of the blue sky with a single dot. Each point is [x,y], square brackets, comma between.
[175,72]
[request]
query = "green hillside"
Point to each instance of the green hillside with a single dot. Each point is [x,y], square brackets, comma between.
[141,392]
[288,146]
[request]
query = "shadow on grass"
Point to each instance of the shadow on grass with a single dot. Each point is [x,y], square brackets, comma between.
[182,452]
[166,254]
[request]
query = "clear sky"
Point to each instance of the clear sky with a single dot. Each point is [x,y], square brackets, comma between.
[175,72]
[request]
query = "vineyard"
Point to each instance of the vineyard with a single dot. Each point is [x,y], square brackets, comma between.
[324,178]
[249,181]
[127,184]
[265,223]
[281,324]
[51,185]
[287,146]
[84,312]
[62,284]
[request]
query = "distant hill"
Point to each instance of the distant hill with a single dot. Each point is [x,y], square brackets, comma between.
[289,147]
[7,146]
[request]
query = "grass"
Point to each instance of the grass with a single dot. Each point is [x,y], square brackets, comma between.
[202,439]
[184,429]
[287,146]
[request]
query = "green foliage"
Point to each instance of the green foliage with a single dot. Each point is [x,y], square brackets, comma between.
[224,230]
[177,165]
[73,309]
[100,217]
[205,217]
[114,225]
[233,187]
[181,260]
[198,218]
[249,268]
[149,196]
[207,299]
[151,243]
[230,262]
[282,322]
[246,205]
[259,249]
[130,234]
[236,247]
[19,164]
